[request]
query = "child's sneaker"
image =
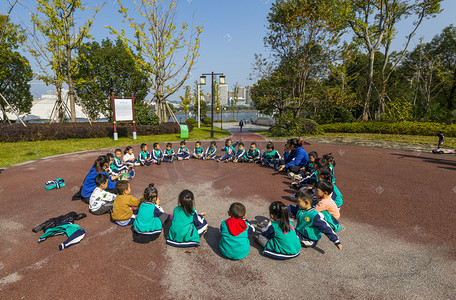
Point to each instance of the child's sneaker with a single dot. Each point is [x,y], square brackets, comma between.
[295,185]
[291,175]
[293,197]
[137,164]
[297,177]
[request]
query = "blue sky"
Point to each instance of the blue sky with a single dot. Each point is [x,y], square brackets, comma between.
[244,21]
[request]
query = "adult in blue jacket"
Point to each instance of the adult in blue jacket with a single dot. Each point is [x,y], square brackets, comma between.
[299,156]
[101,165]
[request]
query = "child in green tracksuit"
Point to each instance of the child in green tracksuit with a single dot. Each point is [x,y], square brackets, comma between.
[150,218]
[235,230]
[278,237]
[187,225]
[241,154]
[311,223]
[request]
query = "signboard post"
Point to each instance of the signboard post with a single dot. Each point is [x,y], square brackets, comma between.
[123,111]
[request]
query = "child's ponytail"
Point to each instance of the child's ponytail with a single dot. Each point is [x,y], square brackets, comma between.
[150,193]
[127,149]
[329,159]
[100,162]
[280,211]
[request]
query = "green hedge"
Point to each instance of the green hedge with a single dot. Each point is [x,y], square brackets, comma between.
[406,127]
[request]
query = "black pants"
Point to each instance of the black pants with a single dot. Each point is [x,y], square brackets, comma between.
[146,238]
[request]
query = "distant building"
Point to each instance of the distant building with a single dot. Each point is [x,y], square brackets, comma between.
[247,97]
[43,107]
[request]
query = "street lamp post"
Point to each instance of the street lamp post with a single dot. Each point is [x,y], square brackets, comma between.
[222,81]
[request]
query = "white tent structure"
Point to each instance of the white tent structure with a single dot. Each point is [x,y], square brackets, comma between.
[42,109]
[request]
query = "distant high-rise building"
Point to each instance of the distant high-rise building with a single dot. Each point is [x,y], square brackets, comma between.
[247,97]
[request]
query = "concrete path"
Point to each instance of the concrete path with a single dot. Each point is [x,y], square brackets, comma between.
[397,236]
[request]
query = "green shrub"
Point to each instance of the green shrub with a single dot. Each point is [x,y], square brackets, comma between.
[192,122]
[62,131]
[206,121]
[287,125]
[145,115]
[335,114]
[405,127]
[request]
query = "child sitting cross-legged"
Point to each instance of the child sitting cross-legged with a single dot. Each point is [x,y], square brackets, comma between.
[253,155]
[168,155]
[323,190]
[119,169]
[241,154]
[183,152]
[235,230]
[129,158]
[278,237]
[148,223]
[211,151]
[198,151]
[123,212]
[270,157]
[187,225]
[312,223]
[144,157]
[157,154]
[101,201]
[229,150]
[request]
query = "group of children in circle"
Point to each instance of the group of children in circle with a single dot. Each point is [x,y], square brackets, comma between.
[317,209]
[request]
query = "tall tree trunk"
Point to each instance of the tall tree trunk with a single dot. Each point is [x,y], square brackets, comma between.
[369,88]
[452,92]
[61,112]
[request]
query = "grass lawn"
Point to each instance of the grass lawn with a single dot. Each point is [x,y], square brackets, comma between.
[14,153]
[450,142]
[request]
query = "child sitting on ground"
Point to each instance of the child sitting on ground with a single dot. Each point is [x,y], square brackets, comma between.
[123,213]
[241,154]
[235,231]
[309,167]
[148,223]
[253,155]
[183,152]
[187,225]
[198,152]
[331,163]
[311,223]
[336,195]
[129,158]
[144,157]
[211,152]
[169,154]
[110,157]
[101,201]
[122,171]
[270,157]
[278,237]
[157,154]
[323,190]
[229,150]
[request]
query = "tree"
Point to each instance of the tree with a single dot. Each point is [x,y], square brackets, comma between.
[15,71]
[160,44]
[104,69]
[301,34]
[186,100]
[373,23]
[217,106]
[55,19]
[235,98]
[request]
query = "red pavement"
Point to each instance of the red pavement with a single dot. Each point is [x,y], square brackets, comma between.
[413,196]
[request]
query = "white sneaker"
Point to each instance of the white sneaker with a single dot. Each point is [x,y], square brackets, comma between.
[291,175]
[137,164]
[297,177]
